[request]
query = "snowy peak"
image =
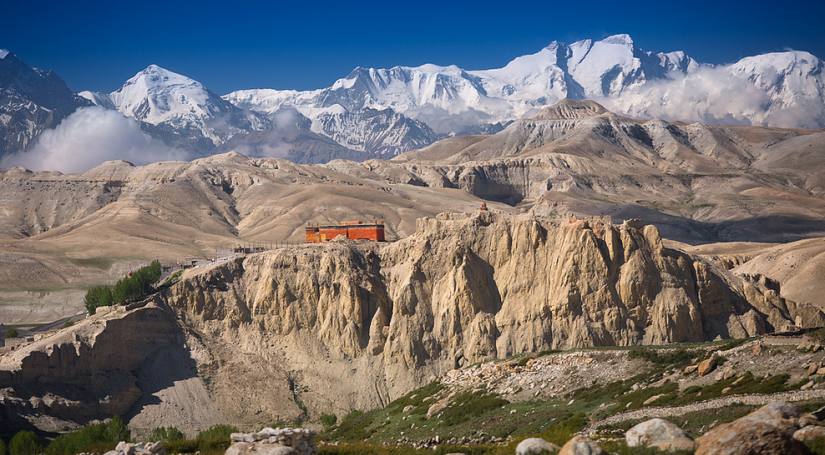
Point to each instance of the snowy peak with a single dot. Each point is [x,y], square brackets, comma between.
[3,53]
[156,95]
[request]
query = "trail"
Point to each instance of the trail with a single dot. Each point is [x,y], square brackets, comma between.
[755,400]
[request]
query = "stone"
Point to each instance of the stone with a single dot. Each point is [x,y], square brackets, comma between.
[535,446]
[708,365]
[273,441]
[408,408]
[652,399]
[659,433]
[820,371]
[809,433]
[139,448]
[581,445]
[813,368]
[690,369]
[767,431]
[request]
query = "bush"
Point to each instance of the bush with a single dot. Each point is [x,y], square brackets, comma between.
[100,437]
[25,443]
[165,434]
[12,332]
[216,437]
[328,420]
[2,447]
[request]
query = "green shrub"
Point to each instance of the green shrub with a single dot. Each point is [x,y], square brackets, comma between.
[12,332]
[165,434]
[2,447]
[100,437]
[216,437]
[663,357]
[25,443]
[328,420]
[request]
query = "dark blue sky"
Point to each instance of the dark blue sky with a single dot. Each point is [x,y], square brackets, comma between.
[247,44]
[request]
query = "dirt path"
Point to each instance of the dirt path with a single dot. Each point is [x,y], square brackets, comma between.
[756,400]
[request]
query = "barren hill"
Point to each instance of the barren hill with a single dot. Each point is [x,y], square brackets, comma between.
[697,183]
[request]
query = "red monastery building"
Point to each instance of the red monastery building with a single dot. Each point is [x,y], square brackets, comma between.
[352,230]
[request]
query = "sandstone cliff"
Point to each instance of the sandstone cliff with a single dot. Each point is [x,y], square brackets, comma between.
[301,330]
[295,321]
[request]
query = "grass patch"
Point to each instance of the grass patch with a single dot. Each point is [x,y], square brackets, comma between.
[419,399]
[468,405]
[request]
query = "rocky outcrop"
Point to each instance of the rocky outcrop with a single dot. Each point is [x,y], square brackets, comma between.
[88,371]
[140,448]
[274,441]
[462,289]
[767,431]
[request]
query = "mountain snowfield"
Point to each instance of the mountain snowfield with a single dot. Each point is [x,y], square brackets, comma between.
[778,89]
[381,112]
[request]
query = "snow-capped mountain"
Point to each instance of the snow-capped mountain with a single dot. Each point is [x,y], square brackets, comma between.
[776,89]
[453,100]
[179,110]
[380,112]
[31,101]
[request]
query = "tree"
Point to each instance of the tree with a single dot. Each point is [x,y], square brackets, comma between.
[2,447]
[97,296]
[25,443]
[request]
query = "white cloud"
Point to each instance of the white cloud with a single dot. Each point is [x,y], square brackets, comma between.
[87,138]
[710,95]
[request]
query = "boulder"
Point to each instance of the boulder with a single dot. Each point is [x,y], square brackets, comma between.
[706,366]
[767,431]
[535,446]
[659,433]
[809,433]
[581,445]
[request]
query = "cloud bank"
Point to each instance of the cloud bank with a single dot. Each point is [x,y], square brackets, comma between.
[716,96]
[89,137]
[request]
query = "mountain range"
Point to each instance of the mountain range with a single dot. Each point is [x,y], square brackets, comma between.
[381,112]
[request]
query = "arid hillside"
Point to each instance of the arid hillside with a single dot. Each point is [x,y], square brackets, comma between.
[696,183]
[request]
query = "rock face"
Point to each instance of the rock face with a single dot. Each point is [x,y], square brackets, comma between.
[274,441]
[88,371]
[461,289]
[658,433]
[766,431]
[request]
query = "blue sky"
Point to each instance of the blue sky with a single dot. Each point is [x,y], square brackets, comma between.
[248,44]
